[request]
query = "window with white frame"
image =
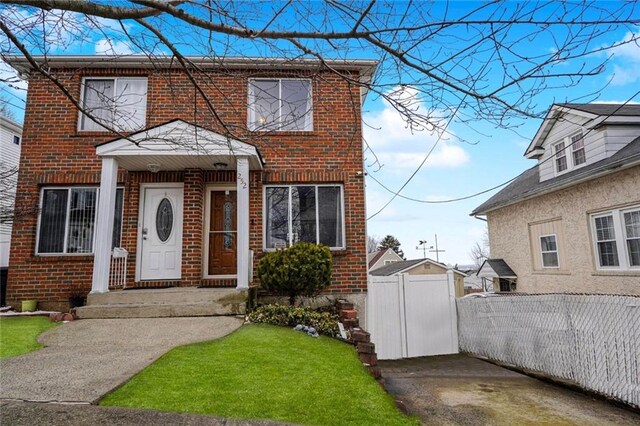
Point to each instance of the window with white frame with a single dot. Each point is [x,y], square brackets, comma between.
[577,149]
[119,103]
[549,251]
[67,220]
[561,157]
[309,213]
[616,236]
[280,104]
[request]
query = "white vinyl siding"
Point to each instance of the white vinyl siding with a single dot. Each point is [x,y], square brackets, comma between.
[9,160]
[280,104]
[309,213]
[119,103]
[616,237]
[66,223]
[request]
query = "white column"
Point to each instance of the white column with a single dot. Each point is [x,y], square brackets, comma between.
[104,225]
[242,243]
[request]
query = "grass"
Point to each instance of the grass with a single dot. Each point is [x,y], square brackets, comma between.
[263,372]
[18,334]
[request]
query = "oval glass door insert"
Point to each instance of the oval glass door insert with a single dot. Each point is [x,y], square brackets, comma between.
[164,219]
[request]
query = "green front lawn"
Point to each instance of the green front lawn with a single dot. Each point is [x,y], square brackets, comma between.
[263,372]
[18,334]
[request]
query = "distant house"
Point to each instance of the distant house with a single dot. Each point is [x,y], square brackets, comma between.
[421,267]
[382,257]
[571,223]
[10,142]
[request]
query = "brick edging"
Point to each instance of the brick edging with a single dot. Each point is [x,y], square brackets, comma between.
[359,338]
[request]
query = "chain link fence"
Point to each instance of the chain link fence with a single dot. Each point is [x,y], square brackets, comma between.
[592,340]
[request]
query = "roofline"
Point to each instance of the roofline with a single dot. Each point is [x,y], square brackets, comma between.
[11,125]
[432,262]
[598,172]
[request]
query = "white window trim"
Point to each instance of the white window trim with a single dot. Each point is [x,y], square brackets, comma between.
[624,261]
[568,153]
[66,225]
[573,145]
[115,88]
[251,110]
[289,233]
[556,251]
[556,158]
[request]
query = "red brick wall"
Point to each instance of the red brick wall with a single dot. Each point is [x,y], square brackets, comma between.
[55,153]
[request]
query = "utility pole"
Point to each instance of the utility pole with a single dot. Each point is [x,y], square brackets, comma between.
[436,251]
[423,243]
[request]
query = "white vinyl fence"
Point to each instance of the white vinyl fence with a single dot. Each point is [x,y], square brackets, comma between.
[412,315]
[592,340]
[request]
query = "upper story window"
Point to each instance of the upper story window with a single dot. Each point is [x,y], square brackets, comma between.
[549,251]
[309,213]
[574,145]
[280,104]
[616,236]
[119,103]
[67,220]
[16,140]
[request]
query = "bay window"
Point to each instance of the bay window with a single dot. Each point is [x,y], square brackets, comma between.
[119,103]
[67,220]
[280,104]
[309,213]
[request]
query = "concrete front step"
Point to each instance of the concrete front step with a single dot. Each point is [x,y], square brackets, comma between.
[168,302]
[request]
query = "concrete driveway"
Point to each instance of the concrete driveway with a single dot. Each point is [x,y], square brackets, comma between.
[83,360]
[460,390]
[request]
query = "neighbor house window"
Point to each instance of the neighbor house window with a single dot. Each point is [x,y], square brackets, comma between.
[16,140]
[549,250]
[561,157]
[280,104]
[617,238]
[119,103]
[577,149]
[309,213]
[67,220]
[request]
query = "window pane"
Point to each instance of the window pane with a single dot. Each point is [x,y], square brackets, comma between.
[98,100]
[330,212]
[303,214]
[604,228]
[550,260]
[264,104]
[296,105]
[548,243]
[579,157]
[608,253]
[53,219]
[117,219]
[82,214]
[277,220]
[131,102]
[632,224]
[633,246]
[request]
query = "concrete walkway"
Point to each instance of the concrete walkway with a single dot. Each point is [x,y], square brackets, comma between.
[460,390]
[83,360]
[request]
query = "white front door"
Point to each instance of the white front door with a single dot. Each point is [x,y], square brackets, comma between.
[161,233]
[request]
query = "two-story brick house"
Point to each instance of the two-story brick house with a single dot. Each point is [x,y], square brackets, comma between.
[195,188]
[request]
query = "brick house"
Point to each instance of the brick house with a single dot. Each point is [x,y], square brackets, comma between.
[195,203]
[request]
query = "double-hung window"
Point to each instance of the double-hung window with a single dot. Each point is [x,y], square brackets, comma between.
[549,250]
[280,104]
[67,220]
[119,103]
[577,150]
[616,236]
[309,213]
[561,157]
[569,153]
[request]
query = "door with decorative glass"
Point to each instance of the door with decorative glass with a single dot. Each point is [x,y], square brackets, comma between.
[221,233]
[161,234]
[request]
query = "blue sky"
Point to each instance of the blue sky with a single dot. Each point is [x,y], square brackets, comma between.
[470,157]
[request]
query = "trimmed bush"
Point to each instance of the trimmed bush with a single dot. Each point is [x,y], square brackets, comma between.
[324,322]
[303,269]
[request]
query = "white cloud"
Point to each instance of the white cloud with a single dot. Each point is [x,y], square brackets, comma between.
[112,47]
[627,57]
[400,146]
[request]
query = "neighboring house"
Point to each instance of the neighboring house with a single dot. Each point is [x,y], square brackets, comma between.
[572,222]
[194,202]
[382,257]
[472,282]
[421,267]
[10,143]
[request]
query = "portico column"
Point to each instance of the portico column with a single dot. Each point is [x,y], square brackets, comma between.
[104,225]
[242,244]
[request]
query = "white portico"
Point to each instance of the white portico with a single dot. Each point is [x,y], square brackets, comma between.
[173,146]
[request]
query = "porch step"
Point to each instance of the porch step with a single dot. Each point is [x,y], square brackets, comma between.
[171,302]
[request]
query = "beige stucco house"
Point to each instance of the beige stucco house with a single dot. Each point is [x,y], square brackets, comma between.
[571,223]
[421,267]
[382,257]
